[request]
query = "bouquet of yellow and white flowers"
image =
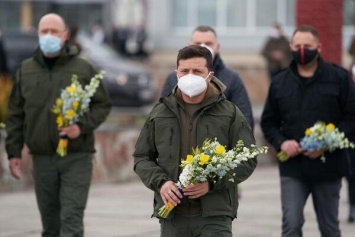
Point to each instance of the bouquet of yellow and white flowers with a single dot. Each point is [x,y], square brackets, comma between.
[321,136]
[73,102]
[210,162]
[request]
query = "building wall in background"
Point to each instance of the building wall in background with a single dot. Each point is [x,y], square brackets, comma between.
[241,25]
[327,17]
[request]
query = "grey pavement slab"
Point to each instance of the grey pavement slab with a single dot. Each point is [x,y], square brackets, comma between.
[124,209]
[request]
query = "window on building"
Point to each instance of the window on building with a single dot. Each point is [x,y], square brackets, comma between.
[231,14]
[180,13]
[9,14]
[266,12]
[236,13]
[290,11]
[207,12]
[84,19]
[349,10]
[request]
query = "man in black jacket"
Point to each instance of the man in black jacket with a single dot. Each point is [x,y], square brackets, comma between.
[235,92]
[3,61]
[310,90]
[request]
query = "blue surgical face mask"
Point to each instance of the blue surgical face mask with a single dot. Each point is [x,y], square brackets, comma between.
[50,44]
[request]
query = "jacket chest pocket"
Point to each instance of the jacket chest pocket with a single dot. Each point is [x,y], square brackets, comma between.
[329,97]
[214,127]
[35,92]
[287,100]
[166,137]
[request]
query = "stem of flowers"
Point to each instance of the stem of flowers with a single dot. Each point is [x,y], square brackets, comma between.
[165,210]
[282,156]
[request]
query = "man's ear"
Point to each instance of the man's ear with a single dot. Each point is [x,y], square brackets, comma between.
[218,48]
[66,35]
[177,76]
[211,75]
[319,47]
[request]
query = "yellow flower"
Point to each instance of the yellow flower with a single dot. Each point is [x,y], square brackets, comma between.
[59,102]
[70,114]
[60,121]
[188,160]
[308,132]
[220,150]
[204,159]
[75,105]
[330,127]
[71,89]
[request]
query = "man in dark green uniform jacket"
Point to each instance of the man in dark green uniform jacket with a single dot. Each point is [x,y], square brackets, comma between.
[197,109]
[61,183]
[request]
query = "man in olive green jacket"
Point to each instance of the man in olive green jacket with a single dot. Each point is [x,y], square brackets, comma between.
[61,183]
[195,111]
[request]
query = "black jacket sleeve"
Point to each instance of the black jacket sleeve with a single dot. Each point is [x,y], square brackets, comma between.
[271,121]
[169,85]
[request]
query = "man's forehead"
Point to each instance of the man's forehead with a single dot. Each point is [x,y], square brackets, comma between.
[52,21]
[199,36]
[197,63]
[304,37]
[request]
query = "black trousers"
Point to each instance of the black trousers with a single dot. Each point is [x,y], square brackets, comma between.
[179,226]
[62,186]
[351,189]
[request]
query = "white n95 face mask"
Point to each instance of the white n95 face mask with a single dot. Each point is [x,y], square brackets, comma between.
[192,85]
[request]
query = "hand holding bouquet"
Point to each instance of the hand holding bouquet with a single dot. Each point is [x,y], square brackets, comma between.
[72,104]
[321,136]
[210,162]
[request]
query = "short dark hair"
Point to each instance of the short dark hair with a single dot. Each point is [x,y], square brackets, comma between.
[195,51]
[205,29]
[307,28]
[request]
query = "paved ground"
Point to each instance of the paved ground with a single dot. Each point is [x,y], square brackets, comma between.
[123,210]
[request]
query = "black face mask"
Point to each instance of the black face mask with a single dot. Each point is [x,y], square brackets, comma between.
[304,56]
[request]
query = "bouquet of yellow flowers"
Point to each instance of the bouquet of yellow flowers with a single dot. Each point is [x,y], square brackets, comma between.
[321,136]
[72,104]
[210,162]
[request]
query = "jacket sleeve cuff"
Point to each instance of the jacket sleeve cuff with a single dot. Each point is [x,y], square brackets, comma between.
[162,182]
[211,185]
[10,156]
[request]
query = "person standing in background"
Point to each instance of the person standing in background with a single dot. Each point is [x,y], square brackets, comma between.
[3,60]
[235,91]
[72,40]
[351,52]
[5,85]
[61,183]
[276,51]
[351,49]
[98,34]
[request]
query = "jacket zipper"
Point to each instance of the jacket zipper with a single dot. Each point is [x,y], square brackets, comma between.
[51,135]
[171,141]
